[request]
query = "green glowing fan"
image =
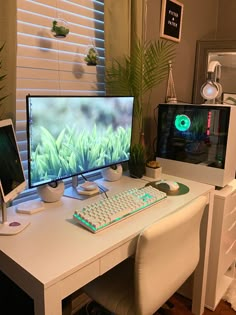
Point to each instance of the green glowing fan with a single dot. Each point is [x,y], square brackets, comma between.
[182,122]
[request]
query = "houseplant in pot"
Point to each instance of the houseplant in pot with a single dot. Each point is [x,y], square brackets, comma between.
[91,57]
[136,161]
[59,29]
[137,75]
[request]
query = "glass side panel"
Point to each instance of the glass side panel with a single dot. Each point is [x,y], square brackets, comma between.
[193,133]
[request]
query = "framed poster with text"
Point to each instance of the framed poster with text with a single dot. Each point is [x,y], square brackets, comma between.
[171,20]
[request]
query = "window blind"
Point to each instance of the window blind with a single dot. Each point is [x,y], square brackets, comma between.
[51,66]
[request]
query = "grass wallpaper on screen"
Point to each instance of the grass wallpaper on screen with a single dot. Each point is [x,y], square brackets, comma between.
[71,136]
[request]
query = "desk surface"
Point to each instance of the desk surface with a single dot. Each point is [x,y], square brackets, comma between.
[53,248]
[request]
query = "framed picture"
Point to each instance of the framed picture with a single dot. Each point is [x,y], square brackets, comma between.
[171,20]
[229,98]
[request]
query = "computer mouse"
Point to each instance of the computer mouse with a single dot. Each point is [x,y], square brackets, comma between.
[173,186]
[168,185]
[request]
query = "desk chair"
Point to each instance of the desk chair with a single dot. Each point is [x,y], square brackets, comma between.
[166,255]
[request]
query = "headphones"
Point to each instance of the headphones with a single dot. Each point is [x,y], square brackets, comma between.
[212,89]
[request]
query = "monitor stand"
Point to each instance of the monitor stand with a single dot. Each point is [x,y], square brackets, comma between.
[11,225]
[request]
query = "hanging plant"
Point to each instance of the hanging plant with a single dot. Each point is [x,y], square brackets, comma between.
[59,29]
[92,57]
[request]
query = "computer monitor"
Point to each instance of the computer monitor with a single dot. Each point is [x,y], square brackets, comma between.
[197,142]
[73,135]
[12,180]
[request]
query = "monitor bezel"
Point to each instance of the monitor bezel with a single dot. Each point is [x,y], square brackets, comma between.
[51,182]
[18,189]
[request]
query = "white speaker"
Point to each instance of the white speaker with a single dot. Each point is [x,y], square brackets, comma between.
[112,173]
[51,193]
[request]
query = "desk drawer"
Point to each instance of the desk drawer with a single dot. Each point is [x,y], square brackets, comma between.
[117,255]
[79,278]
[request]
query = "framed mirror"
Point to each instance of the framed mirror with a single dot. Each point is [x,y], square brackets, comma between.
[223,51]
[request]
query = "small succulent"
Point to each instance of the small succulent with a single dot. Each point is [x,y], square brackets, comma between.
[60,31]
[153,164]
[91,57]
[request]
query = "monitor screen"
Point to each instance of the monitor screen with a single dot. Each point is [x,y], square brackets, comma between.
[72,135]
[194,134]
[12,180]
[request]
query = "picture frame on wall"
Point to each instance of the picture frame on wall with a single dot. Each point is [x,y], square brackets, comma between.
[171,20]
[229,98]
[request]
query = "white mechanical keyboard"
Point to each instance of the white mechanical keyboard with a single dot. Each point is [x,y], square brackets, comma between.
[106,212]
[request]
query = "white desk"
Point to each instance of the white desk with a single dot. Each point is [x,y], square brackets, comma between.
[53,257]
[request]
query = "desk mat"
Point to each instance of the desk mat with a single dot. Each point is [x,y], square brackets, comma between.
[183,189]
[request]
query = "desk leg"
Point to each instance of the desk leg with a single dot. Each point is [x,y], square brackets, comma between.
[200,274]
[48,303]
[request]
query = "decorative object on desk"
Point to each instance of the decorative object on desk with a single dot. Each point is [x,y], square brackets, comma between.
[88,189]
[153,170]
[112,173]
[92,56]
[138,75]
[30,206]
[59,28]
[229,98]
[170,91]
[136,161]
[171,20]
[52,192]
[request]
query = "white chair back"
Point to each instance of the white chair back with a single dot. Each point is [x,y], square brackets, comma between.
[167,254]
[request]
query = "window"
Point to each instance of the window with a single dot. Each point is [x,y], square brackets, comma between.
[47,65]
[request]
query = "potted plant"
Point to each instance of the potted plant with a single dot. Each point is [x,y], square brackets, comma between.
[58,30]
[153,169]
[138,74]
[92,57]
[136,161]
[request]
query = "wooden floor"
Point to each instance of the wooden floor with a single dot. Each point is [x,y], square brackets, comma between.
[178,306]
[182,306]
